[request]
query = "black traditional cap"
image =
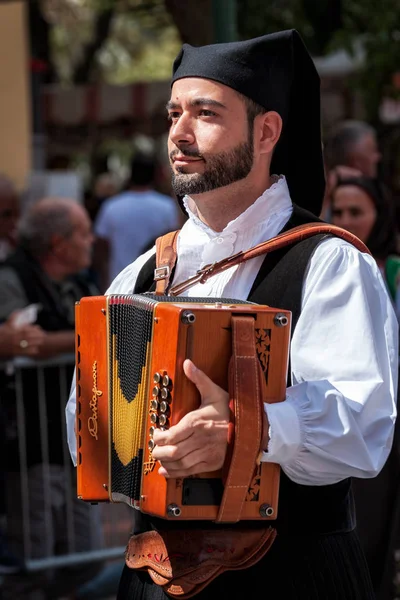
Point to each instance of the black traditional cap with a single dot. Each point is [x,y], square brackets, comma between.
[277,72]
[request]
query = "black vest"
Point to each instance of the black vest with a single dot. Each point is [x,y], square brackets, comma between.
[279,283]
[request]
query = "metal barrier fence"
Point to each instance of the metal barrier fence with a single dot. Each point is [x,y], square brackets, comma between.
[46,525]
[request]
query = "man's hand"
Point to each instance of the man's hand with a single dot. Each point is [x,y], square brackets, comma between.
[20,341]
[198,443]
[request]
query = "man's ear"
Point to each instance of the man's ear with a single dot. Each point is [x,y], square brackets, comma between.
[268,130]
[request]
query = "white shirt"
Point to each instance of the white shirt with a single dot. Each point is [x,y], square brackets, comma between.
[338,417]
[132,221]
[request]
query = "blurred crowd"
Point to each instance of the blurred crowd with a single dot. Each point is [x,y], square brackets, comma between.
[53,253]
[57,250]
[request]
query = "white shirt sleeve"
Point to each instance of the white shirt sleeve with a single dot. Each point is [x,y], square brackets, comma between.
[338,417]
[124,283]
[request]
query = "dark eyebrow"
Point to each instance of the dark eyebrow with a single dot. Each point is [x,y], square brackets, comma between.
[196,102]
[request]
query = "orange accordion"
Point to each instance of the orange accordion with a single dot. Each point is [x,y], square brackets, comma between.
[130,351]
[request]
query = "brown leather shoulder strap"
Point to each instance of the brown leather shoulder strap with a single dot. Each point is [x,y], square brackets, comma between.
[287,238]
[165,260]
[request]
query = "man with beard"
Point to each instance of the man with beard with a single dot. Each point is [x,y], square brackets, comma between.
[246,159]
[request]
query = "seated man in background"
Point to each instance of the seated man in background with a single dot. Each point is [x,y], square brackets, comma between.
[54,249]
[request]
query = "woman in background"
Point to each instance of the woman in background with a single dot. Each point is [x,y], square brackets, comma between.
[359,205]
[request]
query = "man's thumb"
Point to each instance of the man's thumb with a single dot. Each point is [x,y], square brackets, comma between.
[199,378]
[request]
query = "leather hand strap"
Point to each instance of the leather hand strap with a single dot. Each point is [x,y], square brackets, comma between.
[284,239]
[246,434]
[165,260]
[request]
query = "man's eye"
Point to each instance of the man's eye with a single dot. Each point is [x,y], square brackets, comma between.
[207,113]
[172,116]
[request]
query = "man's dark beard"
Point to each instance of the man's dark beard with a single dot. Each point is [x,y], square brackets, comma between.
[221,170]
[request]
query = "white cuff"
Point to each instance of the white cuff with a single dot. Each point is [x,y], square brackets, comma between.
[284,432]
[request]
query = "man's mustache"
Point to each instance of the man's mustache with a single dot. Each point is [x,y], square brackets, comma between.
[188,153]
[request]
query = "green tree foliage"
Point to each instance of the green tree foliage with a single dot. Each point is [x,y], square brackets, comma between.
[328,25]
[377,27]
[118,41]
[316,20]
[122,41]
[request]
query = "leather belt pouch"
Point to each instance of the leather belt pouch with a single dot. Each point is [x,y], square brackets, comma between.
[184,562]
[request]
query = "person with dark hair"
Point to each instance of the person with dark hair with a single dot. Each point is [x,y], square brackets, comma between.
[243,176]
[362,207]
[351,150]
[353,144]
[129,223]
[359,205]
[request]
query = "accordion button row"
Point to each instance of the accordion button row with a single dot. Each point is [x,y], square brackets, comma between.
[159,405]
[163,392]
[163,379]
[162,407]
[161,420]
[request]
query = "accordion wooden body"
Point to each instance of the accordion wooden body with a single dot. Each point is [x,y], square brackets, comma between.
[130,351]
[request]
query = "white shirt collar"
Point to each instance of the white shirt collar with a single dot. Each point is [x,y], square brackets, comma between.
[275,199]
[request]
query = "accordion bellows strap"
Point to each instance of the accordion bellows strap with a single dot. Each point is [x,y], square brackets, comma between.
[245,432]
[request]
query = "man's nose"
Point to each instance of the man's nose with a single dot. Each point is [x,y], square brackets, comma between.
[181,131]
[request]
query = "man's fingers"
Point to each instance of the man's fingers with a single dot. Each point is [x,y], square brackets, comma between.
[169,473]
[192,463]
[175,434]
[175,454]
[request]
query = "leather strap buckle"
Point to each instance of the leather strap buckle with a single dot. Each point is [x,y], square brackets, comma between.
[162,272]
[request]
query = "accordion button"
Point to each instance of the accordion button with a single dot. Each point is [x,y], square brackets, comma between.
[156,377]
[164,393]
[151,444]
[163,420]
[154,404]
[155,392]
[164,407]
[166,381]
[153,418]
[151,431]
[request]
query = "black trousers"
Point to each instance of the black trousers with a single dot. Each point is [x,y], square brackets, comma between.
[296,568]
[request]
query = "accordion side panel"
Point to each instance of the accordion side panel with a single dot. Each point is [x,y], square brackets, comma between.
[165,382]
[207,341]
[92,399]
